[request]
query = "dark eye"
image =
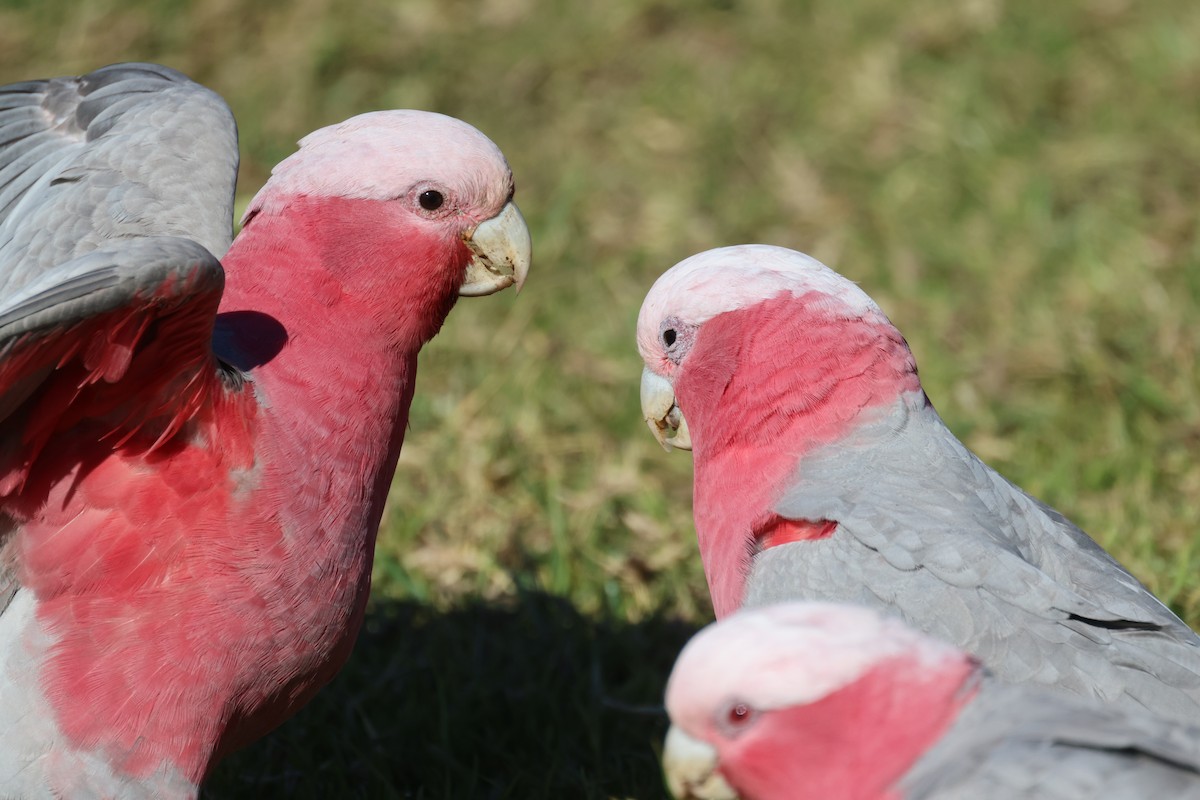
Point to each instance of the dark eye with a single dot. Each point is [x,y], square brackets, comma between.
[669,336]
[431,200]
[739,714]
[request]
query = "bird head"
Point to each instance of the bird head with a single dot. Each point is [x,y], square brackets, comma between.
[754,355]
[808,700]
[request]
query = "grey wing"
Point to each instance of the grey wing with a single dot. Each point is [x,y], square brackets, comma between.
[931,533]
[127,150]
[1011,742]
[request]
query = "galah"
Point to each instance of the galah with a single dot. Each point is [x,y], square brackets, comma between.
[822,471]
[196,445]
[813,701]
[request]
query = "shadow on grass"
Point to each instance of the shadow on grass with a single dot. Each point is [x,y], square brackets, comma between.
[527,699]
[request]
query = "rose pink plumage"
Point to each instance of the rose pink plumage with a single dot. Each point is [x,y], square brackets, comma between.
[195,454]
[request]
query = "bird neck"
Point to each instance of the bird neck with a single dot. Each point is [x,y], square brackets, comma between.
[763,386]
[330,345]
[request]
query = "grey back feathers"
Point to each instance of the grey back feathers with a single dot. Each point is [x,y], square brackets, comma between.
[932,534]
[1022,742]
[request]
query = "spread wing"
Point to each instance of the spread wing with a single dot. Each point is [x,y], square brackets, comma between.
[116,200]
[119,339]
[129,150]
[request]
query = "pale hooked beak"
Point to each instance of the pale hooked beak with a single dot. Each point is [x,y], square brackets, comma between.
[691,769]
[662,415]
[502,251]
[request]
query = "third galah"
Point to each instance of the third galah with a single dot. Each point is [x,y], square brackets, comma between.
[822,471]
[196,445]
[815,701]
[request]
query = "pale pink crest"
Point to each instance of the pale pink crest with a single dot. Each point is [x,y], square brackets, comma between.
[387,155]
[728,278]
[790,654]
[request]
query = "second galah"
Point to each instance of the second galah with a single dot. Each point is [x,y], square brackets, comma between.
[822,471]
[801,701]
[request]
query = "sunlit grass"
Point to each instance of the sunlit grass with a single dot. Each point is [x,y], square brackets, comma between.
[1015,182]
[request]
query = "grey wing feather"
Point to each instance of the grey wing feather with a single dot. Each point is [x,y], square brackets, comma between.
[934,535]
[1019,742]
[127,150]
[105,280]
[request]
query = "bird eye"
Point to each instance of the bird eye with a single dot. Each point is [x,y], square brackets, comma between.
[739,714]
[431,200]
[669,336]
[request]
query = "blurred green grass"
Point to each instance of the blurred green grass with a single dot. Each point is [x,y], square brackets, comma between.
[1015,182]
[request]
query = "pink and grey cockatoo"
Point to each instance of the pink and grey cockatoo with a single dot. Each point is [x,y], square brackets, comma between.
[195,446]
[815,700]
[823,472]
